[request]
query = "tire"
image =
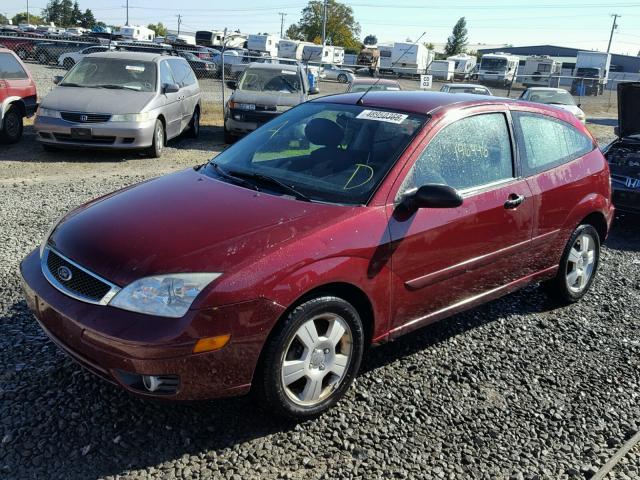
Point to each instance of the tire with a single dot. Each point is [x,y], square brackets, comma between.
[322,343]
[577,257]
[342,78]
[228,137]
[194,124]
[11,126]
[68,63]
[157,144]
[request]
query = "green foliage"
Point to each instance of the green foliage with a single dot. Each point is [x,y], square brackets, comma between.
[458,39]
[429,46]
[342,28]
[65,13]
[22,18]
[370,40]
[3,20]
[159,28]
[88,20]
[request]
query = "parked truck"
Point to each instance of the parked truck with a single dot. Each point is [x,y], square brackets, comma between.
[410,58]
[498,68]
[369,57]
[540,71]
[464,65]
[591,73]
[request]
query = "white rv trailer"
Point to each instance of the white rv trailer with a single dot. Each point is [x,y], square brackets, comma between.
[291,49]
[410,58]
[498,68]
[184,39]
[263,43]
[442,69]
[338,55]
[216,38]
[136,32]
[463,65]
[540,70]
[317,54]
[384,64]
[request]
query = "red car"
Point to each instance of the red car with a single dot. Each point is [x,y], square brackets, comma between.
[18,96]
[344,222]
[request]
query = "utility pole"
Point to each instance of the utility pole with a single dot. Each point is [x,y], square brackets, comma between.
[324,24]
[28,20]
[127,24]
[613,27]
[282,15]
[179,22]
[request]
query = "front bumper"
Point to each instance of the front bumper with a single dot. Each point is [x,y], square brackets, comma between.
[627,200]
[108,135]
[241,122]
[108,341]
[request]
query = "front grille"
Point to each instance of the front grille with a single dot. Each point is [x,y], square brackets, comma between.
[78,117]
[81,283]
[253,115]
[97,139]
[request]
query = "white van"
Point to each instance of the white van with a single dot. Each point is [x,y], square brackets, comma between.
[498,68]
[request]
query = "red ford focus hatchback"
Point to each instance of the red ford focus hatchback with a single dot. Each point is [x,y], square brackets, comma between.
[344,222]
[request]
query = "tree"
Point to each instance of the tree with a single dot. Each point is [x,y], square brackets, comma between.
[370,40]
[159,28]
[22,18]
[76,15]
[3,20]
[342,28]
[88,20]
[429,46]
[458,39]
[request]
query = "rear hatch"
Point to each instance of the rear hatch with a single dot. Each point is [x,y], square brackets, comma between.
[628,109]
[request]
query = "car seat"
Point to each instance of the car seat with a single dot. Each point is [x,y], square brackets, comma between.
[330,158]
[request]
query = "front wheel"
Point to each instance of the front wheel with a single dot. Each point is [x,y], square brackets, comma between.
[342,78]
[157,144]
[11,126]
[194,124]
[312,358]
[578,266]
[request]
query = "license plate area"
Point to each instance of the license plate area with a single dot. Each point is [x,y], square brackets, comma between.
[80,133]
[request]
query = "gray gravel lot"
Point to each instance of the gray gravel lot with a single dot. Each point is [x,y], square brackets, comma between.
[516,389]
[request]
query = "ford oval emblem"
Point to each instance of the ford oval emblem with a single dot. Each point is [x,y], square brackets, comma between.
[64,273]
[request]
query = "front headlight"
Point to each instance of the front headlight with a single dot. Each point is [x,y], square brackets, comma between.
[131,117]
[47,112]
[168,295]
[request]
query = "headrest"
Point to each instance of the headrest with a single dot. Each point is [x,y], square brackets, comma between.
[321,131]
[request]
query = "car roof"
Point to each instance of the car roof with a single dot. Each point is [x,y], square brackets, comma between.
[465,85]
[413,101]
[546,89]
[372,81]
[129,55]
[274,66]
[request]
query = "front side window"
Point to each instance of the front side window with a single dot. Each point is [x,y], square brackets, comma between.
[330,152]
[166,76]
[112,73]
[471,152]
[546,142]
[10,68]
[182,72]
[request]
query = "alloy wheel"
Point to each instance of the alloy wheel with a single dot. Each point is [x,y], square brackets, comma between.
[580,263]
[316,359]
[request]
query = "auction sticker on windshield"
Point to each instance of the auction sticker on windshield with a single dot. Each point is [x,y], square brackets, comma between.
[390,117]
[135,68]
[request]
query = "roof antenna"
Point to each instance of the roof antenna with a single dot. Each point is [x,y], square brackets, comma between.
[361,99]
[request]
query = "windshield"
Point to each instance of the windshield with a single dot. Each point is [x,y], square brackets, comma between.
[328,152]
[560,97]
[587,72]
[469,89]
[271,80]
[493,63]
[117,73]
[380,86]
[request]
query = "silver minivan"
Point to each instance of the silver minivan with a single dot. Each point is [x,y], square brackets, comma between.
[121,100]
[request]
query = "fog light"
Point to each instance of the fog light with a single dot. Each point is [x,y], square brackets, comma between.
[211,343]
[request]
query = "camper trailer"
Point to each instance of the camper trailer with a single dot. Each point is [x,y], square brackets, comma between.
[410,58]
[385,65]
[540,71]
[317,54]
[463,65]
[264,43]
[498,68]
[181,39]
[442,70]
[216,38]
[292,49]
[338,55]
[136,32]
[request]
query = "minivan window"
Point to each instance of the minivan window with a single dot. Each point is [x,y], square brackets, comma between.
[113,73]
[546,142]
[10,68]
[182,72]
[166,77]
[471,152]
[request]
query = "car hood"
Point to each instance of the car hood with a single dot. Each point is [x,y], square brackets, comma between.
[269,99]
[97,100]
[628,109]
[574,109]
[184,222]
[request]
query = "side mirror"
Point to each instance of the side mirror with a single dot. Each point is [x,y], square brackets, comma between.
[232,84]
[170,88]
[432,196]
[314,91]
[57,79]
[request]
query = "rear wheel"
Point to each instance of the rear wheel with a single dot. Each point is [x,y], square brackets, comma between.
[157,145]
[194,124]
[312,358]
[11,126]
[342,78]
[578,266]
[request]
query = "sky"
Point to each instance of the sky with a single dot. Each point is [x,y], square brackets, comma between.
[583,24]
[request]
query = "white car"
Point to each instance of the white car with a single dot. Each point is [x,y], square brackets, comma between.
[465,88]
[333,72]
[68,60]
[556,97]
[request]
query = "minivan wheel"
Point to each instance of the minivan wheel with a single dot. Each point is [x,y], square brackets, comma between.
[578,266]
[157,145]
[11,126]
[311,359]
[194,124]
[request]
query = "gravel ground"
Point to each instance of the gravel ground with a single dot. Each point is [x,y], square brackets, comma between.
[516,389]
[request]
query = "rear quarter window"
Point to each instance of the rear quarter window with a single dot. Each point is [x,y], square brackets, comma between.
[545,142]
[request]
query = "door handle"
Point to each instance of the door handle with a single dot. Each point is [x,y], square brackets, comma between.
[514,201]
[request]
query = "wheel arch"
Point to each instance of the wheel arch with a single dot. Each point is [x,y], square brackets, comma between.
[598,221]
[10,102]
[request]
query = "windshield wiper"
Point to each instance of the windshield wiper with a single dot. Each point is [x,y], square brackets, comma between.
[70,84]
[273,181]
[224,174]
